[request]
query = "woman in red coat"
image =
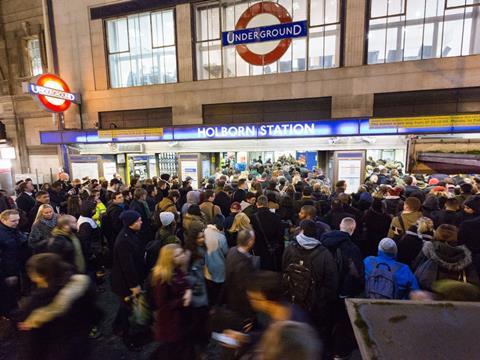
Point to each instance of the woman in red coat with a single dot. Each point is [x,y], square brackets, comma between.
[172,295]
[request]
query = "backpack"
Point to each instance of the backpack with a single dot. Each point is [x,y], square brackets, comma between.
[298,280]
[381,283]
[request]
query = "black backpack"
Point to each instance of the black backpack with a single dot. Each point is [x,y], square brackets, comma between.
[298,278]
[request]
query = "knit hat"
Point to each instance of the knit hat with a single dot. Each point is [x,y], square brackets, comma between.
[388,246]
[473,203]
[128,217]
[166,218]
[235,206]
[396,191]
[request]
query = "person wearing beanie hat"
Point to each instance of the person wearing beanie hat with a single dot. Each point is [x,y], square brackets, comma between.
[385,265]
[166,218]
[441,259]
[468,234]
[376,225]
[408,217]
[165,235]
[128,270]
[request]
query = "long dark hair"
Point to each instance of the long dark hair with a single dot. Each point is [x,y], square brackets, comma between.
[191,236]
[51,267]
[73,205]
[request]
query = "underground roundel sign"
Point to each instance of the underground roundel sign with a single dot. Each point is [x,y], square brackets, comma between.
[263,33]
[51,92]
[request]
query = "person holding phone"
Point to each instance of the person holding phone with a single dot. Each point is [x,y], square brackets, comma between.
[172,295]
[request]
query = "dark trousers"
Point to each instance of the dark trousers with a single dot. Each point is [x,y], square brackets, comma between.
[343,337]
[214,291]
[8,297]
[179,350]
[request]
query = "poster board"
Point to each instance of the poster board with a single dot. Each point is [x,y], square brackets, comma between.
[350,166]
[81,170]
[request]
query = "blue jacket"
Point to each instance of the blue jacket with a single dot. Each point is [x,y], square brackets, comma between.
[404,278]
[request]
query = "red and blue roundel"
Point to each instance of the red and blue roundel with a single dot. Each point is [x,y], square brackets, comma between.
[263,33]
[52,93]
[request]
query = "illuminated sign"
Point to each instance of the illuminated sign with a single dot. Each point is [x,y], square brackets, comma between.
[51,93]
[426,121]
[125,133]
[268,28]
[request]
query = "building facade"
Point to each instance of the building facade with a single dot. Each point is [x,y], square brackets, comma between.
[143,64]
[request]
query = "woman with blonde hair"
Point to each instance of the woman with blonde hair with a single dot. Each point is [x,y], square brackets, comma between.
[172,294]
[42,227]
[240,222]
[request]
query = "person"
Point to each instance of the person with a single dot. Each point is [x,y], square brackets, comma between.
[311,275]
[222,198]
[64,242]
[241,192]
[74,204]
[248,204]
[289,340]
[111,223]
[26,200]
[408,217]
[217,249]
[336,214]
[41,197]
[168,203]
[351,282]
[207,207]
[309,212]
[410,185]
[12,257]
[128,271]
[164,236]
[384,269]
[449,214]
[411,243]
[56,319]
[151,197]
[89,235]
[376,224]
[140,205]
[193,197]
[393,202]
[172,295]
[239,271]
[240,222]
[269,244]
[45,221]
[100,208]
[57,197]
[235,208]
[194,214]
[198,314]
[469,231]
[112,189]
[442,259]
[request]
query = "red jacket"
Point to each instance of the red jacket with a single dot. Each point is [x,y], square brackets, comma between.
[170,315]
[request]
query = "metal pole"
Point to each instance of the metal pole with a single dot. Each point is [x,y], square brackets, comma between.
[36,175]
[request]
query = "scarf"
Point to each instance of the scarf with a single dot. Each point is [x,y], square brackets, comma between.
[50,223]
[90,221]
[79,259]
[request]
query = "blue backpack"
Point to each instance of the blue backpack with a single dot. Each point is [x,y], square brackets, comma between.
[380,284]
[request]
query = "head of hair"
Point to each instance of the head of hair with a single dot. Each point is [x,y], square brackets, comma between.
[194,209]
[424,225]
[348,225]
[446,233]
[5,214]
[163,270]
[173,194]
[244,236]
[88,208]
[310,211]
[249,195]
[191,235]
[268,283]
[408,180]
[262,201]
[307,191]
[317,187]
[240,222]
[341,184]
[337,205]
[309,228]
[139,193]
[344,198]
[219,221]
[51,267]
[40,194]
[290,340]
[40,210]
[208,194]
[466,188]
[413,203]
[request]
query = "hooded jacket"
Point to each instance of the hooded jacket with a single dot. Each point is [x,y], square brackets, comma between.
[349,262]
[404,279]
[409,219]
[440,260]
[69,247]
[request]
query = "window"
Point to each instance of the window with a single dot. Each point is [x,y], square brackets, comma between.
[141,49]
[402,30]
[34,55]
[320,50]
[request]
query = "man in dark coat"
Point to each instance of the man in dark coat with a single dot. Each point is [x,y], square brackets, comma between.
[222,199]
[26,201]
[241,192]
[469,231]
[11,262]
[269,244]
[139,204]
[111,223]
[129,271]
[41,197]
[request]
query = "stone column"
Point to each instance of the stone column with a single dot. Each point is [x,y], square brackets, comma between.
[184,15]
[354,32]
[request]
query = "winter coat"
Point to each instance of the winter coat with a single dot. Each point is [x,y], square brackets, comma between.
[250,210]
[409,219]
[217,249]
[209,211]
[62,317]
[446,217]
[239,270]
[167,205]
[114,223]
[189,219]
[152,251]
[25,202]
[13,251]
[196,279]
[404,279]
[128,263]
[335,217]
[410,245]
[90,237]
[38,238]
[146,233]
[170,316]
[440,260]
[393,205]
[269,241]
[349,262]
[223,201]
[69,247]
[323,268]
[469,236]
[375,228]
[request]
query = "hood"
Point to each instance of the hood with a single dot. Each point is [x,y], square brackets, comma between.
[384,255]
[334,238]
[90,221]
[193,197]
[366,196]
[307,242]
[244,204]
[431,203]
[452,258]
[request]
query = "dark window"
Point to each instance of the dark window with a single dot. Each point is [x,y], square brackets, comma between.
[429,102]
[158,117]
[268,111]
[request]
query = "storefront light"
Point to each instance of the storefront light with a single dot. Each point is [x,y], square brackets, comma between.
[8,153]
[5,164]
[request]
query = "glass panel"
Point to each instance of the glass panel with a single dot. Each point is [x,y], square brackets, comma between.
[452,32]
[315,47]
[285,63]
[35,57]
[317,12]
[170,64]
[396,7]
[168,28]
[120,72]
[157,30]
[213,24]
[452,3]
[395,39]
[229,61]
[215,59]
[299,48]
[299,10]
[378,8]
[243,69]
[158,72]
[202,61]
[376,41]
[228,18]
[473,2]
[413,42]
[332,11]
[471,32]
[332,47]
[117,33]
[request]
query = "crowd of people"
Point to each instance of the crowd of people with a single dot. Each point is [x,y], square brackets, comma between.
[260,261]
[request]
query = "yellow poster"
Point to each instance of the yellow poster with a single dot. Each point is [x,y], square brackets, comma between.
[118,133]
[426,121]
